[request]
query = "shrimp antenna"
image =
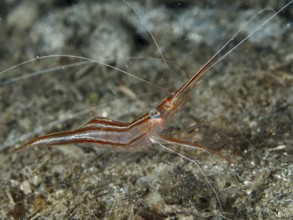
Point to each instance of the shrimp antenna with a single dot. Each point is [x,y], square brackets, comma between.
[208,65]
[85,59]
[152,36]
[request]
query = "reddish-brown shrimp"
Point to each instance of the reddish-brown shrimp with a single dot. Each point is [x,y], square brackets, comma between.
[135,135]
[142,132]
[145,130]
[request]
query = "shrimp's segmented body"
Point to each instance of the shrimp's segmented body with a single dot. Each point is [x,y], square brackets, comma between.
[134,136]
[102,131]
[147,129]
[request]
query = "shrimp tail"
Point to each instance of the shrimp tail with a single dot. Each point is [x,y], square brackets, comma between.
[54,139]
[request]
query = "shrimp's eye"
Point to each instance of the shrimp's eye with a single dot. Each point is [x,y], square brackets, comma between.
[154,113]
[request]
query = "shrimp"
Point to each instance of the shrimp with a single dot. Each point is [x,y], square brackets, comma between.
[140,133]
[145,130]
[136,135]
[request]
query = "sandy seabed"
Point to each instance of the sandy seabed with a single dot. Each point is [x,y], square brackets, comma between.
[241,109]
